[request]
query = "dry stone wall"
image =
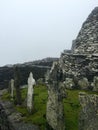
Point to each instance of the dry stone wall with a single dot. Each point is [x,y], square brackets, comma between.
[87,39]
[80,64]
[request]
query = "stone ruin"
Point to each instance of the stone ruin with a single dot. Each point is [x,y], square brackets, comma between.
[89,115]
[55,108]
[80,64]
[31,83]
[76,69]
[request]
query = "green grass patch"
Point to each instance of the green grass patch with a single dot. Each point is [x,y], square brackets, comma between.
[38,115]
[6,96]
[71,110]
[71,107]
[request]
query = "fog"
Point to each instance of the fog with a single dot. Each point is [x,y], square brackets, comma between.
[35,29]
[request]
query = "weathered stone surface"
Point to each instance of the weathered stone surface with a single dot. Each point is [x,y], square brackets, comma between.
[31,83]
[95,83]
[12,88]
[69,83]
[89,114]
[55,111]
[25,126]
[81,63]
[10,119]
[39,68]
[76,68]
[87,39]
[83,83]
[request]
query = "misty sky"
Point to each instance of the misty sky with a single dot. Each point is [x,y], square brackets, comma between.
[35,29]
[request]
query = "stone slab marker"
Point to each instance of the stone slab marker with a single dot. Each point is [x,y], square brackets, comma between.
[55,108]
[31,83]
[12,88]
[88,119]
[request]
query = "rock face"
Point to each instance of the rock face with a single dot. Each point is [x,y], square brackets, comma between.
[95,83]
[69,83]
[89,114]
[87,39]
[83,83]
[10,119]
[31,83]
[4,122]
[80,64]
[55,112]
[39,68]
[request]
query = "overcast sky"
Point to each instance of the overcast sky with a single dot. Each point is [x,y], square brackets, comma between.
[35,29]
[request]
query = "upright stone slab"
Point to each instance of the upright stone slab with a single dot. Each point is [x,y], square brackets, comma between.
[31,83]
[55,108]
[88,119]
[12,88]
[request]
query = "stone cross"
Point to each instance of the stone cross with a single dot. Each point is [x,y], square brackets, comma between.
[12,88]
[31,83]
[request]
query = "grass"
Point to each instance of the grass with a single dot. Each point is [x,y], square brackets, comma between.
[39,112]
[6,96]
[71,110]
[71,107]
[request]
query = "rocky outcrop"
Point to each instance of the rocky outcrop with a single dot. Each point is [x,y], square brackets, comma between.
[80,64]
[10,119]
[95,84]
[87,39]
[89,114]
[39,68]
[4,122]
[56,93]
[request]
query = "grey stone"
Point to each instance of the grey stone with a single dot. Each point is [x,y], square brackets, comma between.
[89,114]
[95,83]
[10,119]
[31,83]
[83,83]
[77,67]
[55,109]
[12,88]
[69,83]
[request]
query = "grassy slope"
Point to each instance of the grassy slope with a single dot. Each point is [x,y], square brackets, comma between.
[38,115]
[71,107]
[71,110]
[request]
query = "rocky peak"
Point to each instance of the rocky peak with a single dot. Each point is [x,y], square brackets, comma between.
[87,39]
[80,64]
[93,15]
